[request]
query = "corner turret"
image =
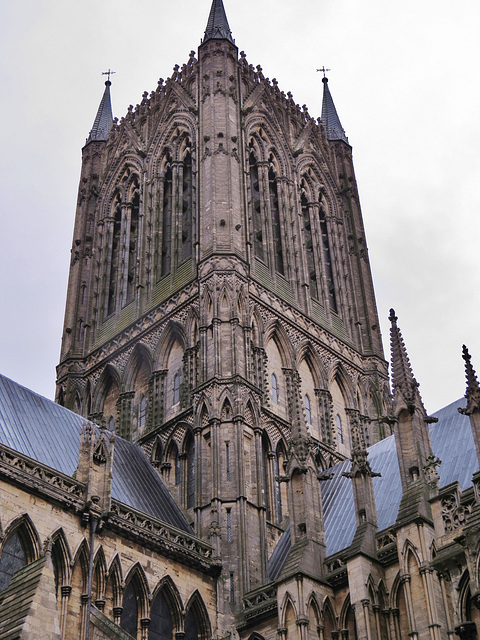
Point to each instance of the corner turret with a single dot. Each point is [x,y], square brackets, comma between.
[472,395]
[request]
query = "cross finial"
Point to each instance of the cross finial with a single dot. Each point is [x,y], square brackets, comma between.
[324,71]
[108,73]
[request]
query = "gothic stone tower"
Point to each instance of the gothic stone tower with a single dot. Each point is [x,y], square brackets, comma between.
[220,306]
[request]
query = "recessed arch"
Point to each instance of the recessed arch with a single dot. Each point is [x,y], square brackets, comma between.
[196,615]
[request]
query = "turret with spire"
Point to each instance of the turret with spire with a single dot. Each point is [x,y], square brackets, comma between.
[329,118]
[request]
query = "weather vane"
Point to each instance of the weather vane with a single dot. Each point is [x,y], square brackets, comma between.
[108,73]
[324,71]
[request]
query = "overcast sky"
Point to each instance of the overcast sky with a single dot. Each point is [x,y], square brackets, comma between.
[404,78]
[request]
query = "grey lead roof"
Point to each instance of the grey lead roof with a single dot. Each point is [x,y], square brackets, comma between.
[217,25]
[330,119]
[104,119]
[452,442]
[49,433]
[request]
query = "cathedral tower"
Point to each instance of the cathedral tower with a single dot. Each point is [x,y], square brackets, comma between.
[220,306]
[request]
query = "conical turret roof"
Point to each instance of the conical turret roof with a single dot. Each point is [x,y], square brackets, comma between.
[217,25]
[104,119]
[330,119]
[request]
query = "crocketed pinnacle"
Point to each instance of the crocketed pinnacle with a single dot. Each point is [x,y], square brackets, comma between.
[472,393]
[402,374]
[104,120]
[330,119]
[217,25]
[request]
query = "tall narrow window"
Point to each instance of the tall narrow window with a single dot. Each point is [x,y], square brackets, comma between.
[256,208]
[111,424]
[187,206]
[191,473]
[142,418]
[275,389]
[176,388]
[129,618]
[227,461]
[132,248]
[278,494]
[265,472]
[308,239]
[114,261]
[275,216]
[167,221]
[232,588]
[308,409]
[338,422]
[327,261]
[229,525]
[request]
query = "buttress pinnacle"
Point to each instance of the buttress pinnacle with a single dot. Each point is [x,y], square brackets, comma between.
[402,375]
[472,393]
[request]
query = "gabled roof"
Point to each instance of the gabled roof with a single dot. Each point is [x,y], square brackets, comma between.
[50,434]
[104,119]
[329,118]
[217,25]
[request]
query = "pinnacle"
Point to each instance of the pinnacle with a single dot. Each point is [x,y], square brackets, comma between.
[329,118]
[104,119]
[402,374]
[217,25]
[472,393]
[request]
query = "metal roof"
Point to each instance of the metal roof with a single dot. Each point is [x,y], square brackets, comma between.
[49,433]
[452,442]
[104,118]
[217,25]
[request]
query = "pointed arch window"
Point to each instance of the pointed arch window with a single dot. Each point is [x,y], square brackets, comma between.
[13,558]
[275,389]
[278,493]
[114,259]
[275,217]
[308,239]
[327,261]
[160,627]
[111,424]
[167,210]
[132,247]
[129,618]
[256,208]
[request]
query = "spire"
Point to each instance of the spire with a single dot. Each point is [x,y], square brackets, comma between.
[330,119]
[402,375]
[472,393]
[104,120]
[217,25]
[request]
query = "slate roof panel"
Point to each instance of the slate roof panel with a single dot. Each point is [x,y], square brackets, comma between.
[49,433]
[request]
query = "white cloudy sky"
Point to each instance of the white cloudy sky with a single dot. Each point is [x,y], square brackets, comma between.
[404,77]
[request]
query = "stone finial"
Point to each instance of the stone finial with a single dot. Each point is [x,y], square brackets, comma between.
[472,393]
[403,380]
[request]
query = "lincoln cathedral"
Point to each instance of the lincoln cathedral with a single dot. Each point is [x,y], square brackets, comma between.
[230,456]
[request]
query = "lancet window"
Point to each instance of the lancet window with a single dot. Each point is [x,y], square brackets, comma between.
[266,209]
[122,249]
[176,206]
[160,627]
[129,618]
[318,250]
